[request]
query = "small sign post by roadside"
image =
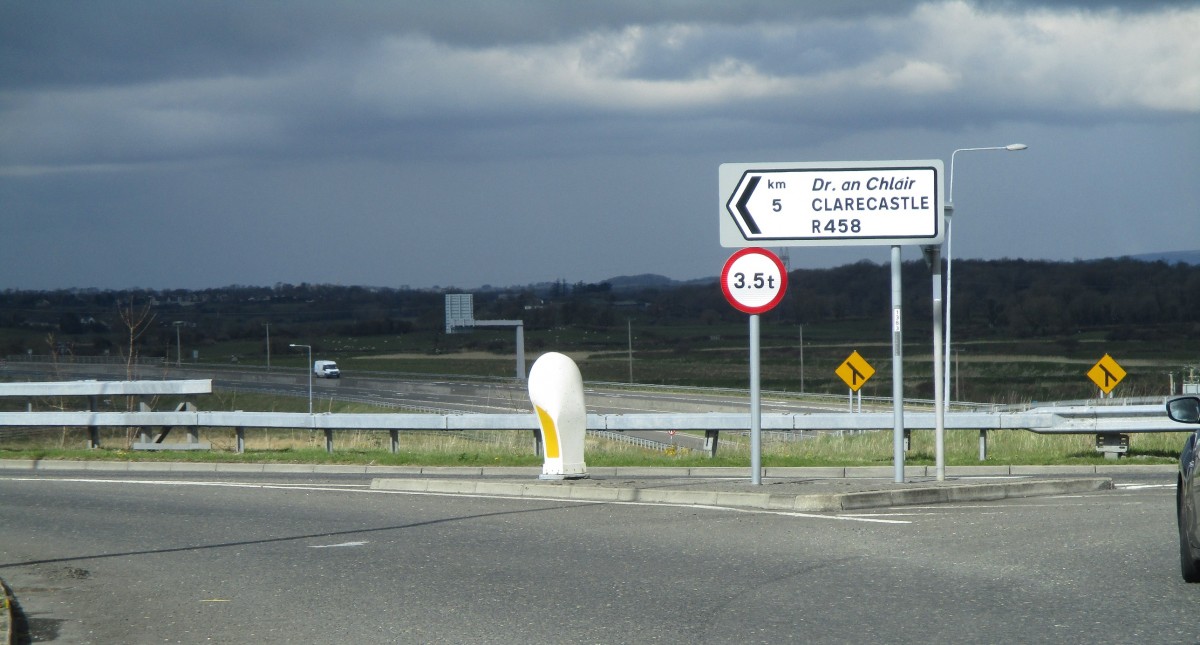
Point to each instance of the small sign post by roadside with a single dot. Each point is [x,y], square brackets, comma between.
[754,281]
[855,371]
[1106,373]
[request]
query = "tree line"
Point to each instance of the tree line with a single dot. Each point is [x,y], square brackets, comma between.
[1119,298]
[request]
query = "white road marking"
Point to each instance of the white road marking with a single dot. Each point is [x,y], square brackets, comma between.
[335,546]
[843,518]
[182,482]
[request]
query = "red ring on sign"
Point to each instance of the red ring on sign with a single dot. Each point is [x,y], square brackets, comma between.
[749,308]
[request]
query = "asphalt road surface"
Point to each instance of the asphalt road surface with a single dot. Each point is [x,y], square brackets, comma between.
[128,558]
[480,396]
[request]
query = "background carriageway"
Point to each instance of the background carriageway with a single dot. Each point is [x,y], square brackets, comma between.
[659,410]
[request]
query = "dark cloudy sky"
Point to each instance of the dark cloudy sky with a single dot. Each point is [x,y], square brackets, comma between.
[191,144]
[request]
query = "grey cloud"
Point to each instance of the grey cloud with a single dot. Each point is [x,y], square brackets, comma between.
[54,43]
[437,142]
[51,43]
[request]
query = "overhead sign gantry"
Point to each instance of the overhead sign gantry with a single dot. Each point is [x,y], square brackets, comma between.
[460,316]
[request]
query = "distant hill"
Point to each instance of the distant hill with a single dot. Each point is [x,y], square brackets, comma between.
[619,283]
[641,281]
[1172,257]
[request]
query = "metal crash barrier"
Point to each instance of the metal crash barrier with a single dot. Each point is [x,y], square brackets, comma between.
[1108,423]
[94,390]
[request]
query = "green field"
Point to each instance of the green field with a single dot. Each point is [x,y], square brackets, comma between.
[514,448]
[985,371]
[1024,331]
[1015,371]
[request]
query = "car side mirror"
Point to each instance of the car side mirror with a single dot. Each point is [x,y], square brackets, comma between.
[1185,409]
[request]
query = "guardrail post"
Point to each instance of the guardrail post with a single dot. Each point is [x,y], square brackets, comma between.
[538,448]
[143,432]
[193,432]
[710,442]
[241,439]
[329,440]
[93,431]
[983,445]
[395,435]
[1112,444]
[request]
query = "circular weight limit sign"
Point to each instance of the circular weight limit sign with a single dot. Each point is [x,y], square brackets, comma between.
[753,280]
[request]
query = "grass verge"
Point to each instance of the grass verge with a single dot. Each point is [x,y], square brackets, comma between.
[515,448]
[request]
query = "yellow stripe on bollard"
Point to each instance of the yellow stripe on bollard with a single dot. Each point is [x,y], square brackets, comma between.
[549,433]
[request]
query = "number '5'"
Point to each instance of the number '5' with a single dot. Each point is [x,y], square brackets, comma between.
[776,205]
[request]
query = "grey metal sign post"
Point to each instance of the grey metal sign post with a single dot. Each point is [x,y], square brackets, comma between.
[897,370]
[754,281]
[850,203]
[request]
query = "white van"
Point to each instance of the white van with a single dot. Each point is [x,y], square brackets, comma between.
[326,369]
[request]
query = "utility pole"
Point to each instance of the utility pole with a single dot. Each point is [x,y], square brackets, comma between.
[629,330]
[802,359]
[178,346]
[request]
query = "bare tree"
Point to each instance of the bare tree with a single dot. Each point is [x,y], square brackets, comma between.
[137,320]
[52,343]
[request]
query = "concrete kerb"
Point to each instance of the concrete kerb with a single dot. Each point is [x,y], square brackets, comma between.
[820,502]
[970,493]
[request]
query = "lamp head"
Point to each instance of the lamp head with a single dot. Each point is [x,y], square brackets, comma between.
[1015,146]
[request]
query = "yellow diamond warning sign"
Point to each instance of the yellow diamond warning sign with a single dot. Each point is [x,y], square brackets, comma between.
[1106,374]
[855,371]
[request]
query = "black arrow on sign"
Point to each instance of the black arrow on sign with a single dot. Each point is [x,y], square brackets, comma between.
[854,374]
[741,205]
[1108,376]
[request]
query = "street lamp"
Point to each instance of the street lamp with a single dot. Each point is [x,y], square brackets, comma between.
[949,211]
[310,372]
[949,224]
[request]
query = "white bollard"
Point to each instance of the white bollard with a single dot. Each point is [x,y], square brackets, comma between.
[556,391]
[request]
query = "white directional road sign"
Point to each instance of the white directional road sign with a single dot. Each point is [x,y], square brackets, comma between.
[849,203]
